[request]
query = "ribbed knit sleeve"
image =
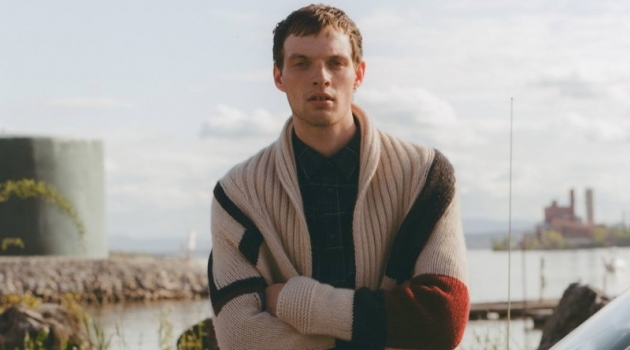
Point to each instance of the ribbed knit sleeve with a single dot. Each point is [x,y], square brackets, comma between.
[430,310]
[236,292]
[424,301]
[316,308]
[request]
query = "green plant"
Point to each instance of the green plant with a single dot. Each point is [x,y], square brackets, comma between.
[41,341]
[27,300]
[120,336]
[553,239]
[37,343]
[29,188]
[193,340]
[490,338]
[165,331]
[9,241]
[96,336]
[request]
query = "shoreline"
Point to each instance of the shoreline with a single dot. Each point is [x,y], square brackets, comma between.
[118,279]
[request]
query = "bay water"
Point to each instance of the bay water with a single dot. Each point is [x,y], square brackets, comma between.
[533,275]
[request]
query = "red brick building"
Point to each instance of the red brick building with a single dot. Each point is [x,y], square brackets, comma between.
[564,221]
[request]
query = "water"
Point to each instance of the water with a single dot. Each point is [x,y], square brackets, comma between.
[137,326]
[140,323]
[489,273]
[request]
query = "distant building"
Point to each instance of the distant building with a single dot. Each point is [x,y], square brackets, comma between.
[563,220]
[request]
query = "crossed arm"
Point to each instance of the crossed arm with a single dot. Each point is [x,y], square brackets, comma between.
[429,310]
[272,292]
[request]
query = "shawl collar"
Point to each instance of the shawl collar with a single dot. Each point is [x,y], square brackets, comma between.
[287,172]
[369,158]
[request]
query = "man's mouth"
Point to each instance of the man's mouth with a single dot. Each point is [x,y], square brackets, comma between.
[319,97]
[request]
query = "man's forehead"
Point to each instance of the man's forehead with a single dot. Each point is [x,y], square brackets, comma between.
[329,42]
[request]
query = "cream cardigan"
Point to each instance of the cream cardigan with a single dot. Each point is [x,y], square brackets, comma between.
[409,252]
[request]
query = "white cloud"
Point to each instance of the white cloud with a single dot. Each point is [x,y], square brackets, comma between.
[484,56]
[262,75]
[229,122]
[589,81]
[161,173]
[620,92]
[158,185]
[111,167]
[407,107]
[239,17]
[90,103]
[170,173]
[573,85]
[596,129]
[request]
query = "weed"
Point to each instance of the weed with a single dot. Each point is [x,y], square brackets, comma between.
[165,331]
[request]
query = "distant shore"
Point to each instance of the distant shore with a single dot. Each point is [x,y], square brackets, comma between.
[117,279]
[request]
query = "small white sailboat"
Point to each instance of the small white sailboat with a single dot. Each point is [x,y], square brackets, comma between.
[192,244]
[614,263]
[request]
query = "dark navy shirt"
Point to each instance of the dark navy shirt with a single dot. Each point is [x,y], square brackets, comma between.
[329,192]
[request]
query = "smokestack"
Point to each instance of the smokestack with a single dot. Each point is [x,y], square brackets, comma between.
[572,204]
[590,215]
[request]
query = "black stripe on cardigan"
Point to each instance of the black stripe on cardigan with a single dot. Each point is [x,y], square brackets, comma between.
[369,321]
[420,222]
[252,238]
[221,296]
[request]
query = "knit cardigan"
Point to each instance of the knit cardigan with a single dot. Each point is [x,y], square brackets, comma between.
[411,269]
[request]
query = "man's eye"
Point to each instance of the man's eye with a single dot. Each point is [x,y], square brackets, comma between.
[300,64]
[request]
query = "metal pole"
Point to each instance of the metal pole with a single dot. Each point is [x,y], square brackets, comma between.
[510,229]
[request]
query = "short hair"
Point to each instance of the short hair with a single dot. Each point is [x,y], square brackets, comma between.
[310,20]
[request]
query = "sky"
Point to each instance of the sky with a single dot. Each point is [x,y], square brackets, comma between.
[179,92]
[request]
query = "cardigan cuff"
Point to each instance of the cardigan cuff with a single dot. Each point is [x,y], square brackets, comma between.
[316,308]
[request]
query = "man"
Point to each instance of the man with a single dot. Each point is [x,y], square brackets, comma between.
[337,235]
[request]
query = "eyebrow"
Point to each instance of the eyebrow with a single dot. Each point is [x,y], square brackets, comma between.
[295,56]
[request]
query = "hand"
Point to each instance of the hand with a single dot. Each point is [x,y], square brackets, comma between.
[271,294]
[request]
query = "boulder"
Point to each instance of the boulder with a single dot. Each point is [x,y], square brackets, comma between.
[200,334]
[50,324]
[578,303]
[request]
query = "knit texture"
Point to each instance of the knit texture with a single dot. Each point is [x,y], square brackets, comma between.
[408,243]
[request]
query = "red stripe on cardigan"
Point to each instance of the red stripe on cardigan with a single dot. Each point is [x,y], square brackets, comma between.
[428,312]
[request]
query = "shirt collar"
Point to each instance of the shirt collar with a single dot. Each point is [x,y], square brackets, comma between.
[346,160]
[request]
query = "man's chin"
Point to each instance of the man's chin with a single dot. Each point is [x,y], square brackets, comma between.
[320,120]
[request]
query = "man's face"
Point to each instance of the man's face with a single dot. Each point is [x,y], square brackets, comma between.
[319,77]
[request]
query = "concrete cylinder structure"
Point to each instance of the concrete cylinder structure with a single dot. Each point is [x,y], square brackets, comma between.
[75,169]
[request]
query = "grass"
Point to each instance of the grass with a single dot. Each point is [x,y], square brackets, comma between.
[95,335]
[165,330]
[488,340]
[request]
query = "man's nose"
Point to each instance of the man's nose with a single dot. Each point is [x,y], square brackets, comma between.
[321,75]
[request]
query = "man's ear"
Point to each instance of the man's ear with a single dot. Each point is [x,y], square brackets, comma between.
[277,78]
[359,74]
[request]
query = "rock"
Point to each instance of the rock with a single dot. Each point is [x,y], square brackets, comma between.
[50,323]
[578,303]
[109,280]
[204,330]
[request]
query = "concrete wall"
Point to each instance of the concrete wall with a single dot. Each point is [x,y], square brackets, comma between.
[75,168]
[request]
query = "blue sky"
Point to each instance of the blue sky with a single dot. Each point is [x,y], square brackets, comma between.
[181,91]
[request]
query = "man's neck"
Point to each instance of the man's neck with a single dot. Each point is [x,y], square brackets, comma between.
[326,140]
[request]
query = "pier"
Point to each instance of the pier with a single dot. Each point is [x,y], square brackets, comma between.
[538,310]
